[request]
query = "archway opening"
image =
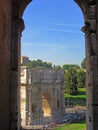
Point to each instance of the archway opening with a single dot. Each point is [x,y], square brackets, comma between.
[53,29]
[48,38]
[46,104]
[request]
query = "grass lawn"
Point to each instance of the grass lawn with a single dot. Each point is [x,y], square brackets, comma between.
[73,126]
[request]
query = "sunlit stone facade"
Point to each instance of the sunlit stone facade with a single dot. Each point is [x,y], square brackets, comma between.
[42,95]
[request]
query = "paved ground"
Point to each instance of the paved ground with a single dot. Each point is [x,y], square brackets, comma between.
[72,114]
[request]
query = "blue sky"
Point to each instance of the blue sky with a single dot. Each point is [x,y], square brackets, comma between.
[53,32]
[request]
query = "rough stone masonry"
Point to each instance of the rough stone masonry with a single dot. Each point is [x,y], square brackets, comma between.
[11,27]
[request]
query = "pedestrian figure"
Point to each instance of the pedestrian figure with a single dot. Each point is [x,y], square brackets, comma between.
[46,127]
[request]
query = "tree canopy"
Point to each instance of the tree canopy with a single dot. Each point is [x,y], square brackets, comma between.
[71,82]
[70,66]
[39,63]
[83,63]
[81,78]
[74,79]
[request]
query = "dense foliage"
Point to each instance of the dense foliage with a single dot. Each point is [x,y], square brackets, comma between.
[69,66]
[83,63]
[81,78]
[74,79]
[39,63]
[57,67]
[71,82]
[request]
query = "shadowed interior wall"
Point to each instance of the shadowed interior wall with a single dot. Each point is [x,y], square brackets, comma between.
[5,37]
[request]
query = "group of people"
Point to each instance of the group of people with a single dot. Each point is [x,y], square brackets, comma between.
[49,125]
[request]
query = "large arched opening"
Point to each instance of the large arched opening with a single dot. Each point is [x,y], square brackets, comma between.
[89,10]
[54,31]
[59,27]
[10,41]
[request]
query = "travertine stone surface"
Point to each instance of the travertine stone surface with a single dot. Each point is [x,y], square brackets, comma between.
[42,95]
[5,34]
[11,26]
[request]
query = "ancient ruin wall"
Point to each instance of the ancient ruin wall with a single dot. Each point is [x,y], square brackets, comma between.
[42,95]
[7,13]
[5,35]
[90,10]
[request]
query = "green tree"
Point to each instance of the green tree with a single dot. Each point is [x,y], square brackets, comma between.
[39,63]
[71,82]
[32,63]
[83,63]
[81,78]
[69,66]
[58,67]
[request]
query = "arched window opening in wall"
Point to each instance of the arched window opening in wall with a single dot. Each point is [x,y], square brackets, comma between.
[53,34]
[53,29]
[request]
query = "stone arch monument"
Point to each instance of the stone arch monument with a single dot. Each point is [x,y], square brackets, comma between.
[11,26]
[42,95]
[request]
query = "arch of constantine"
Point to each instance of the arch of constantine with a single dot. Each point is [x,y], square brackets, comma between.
[11,27]
[42,95]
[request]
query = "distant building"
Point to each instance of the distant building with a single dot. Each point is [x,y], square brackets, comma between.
[24,60]
[42,95]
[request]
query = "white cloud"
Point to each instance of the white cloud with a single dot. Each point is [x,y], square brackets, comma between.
[39,44]
[57,46]
[58,30]
[69,25]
